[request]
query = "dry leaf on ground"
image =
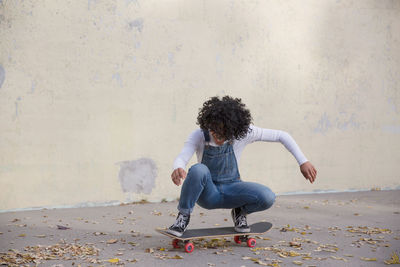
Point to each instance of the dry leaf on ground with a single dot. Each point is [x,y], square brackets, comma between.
[393,260]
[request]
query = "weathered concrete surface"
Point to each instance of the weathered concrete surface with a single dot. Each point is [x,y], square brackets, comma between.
[329,227]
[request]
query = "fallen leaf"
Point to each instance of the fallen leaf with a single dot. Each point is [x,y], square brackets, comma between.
[338,258]
[295,244]
[156,213]
[368,259]
[393,260]
[293,254]
[115,260]
[112,241]
[61,227]
[260,262]
[176,257]
[298,262]
[149,250]
[99,233]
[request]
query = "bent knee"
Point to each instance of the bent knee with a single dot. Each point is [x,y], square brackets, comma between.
[267,199]
[199,169]
[198,172]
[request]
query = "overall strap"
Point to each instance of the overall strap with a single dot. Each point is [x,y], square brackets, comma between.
[206,135]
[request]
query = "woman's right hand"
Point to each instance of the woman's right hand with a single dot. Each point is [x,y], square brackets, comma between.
[178,175]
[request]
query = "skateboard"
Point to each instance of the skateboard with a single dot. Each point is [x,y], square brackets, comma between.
[192,234]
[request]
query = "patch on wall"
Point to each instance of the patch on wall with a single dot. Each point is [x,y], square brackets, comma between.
[137,176]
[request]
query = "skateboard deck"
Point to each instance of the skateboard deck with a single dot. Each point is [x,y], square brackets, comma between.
[191,234]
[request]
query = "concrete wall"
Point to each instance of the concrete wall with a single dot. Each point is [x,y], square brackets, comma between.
[97,97]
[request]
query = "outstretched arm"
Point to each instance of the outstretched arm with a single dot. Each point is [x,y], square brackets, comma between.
[269,135]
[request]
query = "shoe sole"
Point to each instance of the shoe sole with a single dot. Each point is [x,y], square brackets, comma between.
[242,230]
[172,232]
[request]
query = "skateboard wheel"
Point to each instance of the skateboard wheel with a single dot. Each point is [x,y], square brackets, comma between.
[237,239]
[251,242]
[175,243]
[189,247]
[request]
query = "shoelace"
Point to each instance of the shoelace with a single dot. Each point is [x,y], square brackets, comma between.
[181,221]
[241,220]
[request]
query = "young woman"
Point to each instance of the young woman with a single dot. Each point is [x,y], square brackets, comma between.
[214,182]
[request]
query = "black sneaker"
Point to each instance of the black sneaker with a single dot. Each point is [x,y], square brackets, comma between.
[240,220]
[179,227]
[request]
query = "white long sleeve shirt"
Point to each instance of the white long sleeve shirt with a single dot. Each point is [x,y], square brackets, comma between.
[196,142]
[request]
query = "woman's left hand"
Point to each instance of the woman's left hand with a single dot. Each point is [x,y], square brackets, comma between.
[308,171]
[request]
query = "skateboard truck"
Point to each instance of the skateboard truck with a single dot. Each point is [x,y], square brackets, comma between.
[251,242]
[189,247]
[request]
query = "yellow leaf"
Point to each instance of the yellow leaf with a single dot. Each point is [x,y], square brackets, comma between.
[338,258]
[393,260]
[22,235]
[294,254]
[298,262]
[176,257]
[281,255]
[368,259]
[115,260]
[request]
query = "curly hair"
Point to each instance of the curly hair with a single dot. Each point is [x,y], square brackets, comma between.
[228,117]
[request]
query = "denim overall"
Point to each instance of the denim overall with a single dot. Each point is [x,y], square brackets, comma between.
[215,183]
[221,161]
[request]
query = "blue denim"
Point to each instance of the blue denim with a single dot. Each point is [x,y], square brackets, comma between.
[215,183]
[221,162]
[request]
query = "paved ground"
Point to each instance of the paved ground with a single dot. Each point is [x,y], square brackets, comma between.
[341,229]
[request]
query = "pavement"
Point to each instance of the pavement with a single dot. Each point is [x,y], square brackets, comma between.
[333,229]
